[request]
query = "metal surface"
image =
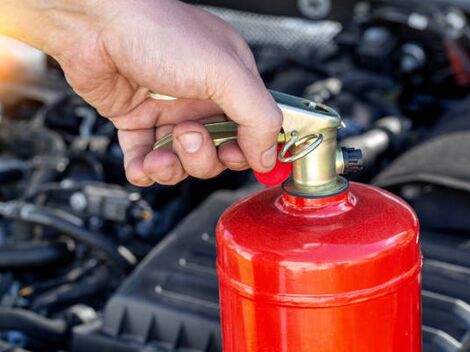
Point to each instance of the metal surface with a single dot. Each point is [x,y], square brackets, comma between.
[314,173]
[294,139]
[220,133]
[282,32]
[335,274]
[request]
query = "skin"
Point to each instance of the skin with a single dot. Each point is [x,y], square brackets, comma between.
[113,51]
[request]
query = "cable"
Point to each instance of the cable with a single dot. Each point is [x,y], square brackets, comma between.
[44,216]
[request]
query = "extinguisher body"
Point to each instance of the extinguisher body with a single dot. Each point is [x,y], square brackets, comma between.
[331,274]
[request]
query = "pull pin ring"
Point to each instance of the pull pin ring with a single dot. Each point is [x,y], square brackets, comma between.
[304,152]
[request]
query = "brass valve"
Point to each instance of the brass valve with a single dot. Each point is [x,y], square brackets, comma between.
[309,133]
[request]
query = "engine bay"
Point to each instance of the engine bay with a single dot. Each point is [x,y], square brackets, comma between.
[89,262]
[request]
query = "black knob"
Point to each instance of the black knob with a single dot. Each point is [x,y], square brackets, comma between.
[352,161]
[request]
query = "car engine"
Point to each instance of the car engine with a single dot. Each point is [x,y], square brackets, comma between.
[89,262]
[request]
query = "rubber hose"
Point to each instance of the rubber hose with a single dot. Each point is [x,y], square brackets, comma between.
[69,294]
[48,217]
[12,170]
[32,324]
[32,255]
[110,251]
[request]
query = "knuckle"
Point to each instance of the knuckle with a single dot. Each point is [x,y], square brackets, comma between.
[273,122]
[245,57]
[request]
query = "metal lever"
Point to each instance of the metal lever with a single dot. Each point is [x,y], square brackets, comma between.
[293,108]
[306,127]
[220,133]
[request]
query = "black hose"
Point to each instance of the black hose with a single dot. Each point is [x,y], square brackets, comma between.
[32,255]
[71,293]
[74,275]
[12,170]
[33,325]
[48,217]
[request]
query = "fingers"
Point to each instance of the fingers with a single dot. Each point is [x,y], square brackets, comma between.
[137,137]
[196,151]
[232,157]
[164,167]
[229,154]
[152,113]
[142,165]
[135,146]
[191,141]
[195,155]
[244,98]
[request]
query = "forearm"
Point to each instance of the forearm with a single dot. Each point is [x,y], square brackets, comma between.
[44,23]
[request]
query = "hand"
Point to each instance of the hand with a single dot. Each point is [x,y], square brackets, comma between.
[113,51]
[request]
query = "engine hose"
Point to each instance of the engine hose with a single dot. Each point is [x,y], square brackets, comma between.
[44,216]
[12,170]
[33,325]
[387,134]
[32,255]
[69,294]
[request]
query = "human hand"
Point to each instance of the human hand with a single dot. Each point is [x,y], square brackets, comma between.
[113,51]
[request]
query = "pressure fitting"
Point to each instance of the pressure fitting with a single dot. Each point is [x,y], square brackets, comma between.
[352,161]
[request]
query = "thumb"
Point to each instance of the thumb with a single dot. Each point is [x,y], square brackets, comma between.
[244,98]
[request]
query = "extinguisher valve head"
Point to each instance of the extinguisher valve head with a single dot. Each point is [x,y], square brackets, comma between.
[309,146]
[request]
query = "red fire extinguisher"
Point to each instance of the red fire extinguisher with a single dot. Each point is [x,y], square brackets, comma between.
[319,264]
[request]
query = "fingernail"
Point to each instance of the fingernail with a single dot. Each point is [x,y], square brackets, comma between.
[164,174]
[191,141]
[268,158]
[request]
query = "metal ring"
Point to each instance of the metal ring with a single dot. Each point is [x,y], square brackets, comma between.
[304,152]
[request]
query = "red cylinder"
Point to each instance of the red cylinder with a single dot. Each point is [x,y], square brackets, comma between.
[336,274]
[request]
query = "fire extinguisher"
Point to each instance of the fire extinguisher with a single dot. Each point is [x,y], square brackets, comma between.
[319,264]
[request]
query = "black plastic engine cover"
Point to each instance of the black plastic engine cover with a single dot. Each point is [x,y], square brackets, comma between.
[170,302]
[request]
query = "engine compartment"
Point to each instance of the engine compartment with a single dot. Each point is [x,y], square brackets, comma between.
[89,262]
